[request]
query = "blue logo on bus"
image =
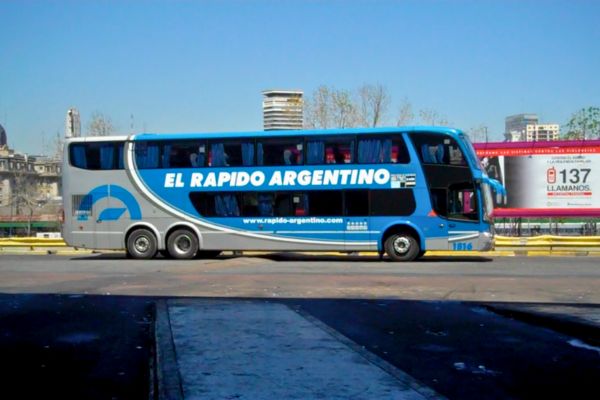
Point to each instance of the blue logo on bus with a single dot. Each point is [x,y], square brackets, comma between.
[112,213]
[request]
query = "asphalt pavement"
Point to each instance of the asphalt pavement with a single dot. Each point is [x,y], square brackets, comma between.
[76,344]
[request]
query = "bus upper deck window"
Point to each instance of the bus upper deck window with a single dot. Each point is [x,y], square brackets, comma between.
[97,156]
[334,150]
[280,151]
[438,149]
[382,150]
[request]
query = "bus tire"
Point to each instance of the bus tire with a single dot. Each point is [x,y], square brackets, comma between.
[402,246]
[206,254]
[141,244]
[182,244]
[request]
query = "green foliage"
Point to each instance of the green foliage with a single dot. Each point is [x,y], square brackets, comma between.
[584,124]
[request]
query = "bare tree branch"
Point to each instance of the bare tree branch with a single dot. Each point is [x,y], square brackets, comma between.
[317,109]
[374,101]
[405,115]
[478,133]
[344,112]
[432,117]
[100,125]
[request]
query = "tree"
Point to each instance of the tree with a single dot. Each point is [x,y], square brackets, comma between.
[24,194]
[374,101]
[344,112]
[405,114]
[100,125]
[584,124]
[339,108]
[330,108]
[432,117]
[317,109]
[59,145]
[479,133]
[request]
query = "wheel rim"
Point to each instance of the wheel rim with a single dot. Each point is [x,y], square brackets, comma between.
[141,244]
[183,244]
[401,245]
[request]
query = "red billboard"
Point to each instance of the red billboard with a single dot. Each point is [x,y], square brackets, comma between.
[545,179]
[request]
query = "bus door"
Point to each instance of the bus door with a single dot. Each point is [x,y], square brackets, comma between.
[463,217]
[357,223]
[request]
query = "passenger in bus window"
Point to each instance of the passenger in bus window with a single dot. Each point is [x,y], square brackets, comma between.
[338,156]
[194,159]
[287,157]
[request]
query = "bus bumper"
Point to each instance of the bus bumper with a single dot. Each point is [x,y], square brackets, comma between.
[487,241]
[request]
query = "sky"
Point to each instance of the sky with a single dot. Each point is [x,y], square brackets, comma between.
[200,66]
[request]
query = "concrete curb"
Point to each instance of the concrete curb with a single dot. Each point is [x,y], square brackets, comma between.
[168,380]
[400,375]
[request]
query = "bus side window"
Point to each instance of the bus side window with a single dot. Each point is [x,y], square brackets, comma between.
[439,202]
[280,151]
[97,156]
[462,202]
[438,149]
[194,159]
[283,205]
[147,155]
[382,150]
[231,153]
[287,157]
[265,204]
[335,150]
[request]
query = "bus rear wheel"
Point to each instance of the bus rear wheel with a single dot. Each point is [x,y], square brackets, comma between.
[182,244]
[141,244]
[402,247]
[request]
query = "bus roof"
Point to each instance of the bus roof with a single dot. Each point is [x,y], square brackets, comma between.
[316,132]
[241,134]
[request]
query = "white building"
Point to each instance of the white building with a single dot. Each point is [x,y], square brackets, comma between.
[72,123]
[282,109]
[526,128]
[539,132]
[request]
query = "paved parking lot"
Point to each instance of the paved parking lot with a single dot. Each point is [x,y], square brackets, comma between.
[80,327]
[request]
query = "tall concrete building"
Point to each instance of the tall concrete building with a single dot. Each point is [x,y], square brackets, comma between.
[282,109]
[526,128]
[72,123]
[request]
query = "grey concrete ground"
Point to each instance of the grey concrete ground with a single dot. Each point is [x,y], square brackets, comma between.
[417,318]
[258,350]
[503,279]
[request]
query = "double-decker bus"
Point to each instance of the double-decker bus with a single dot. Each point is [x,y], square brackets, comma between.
[399,191]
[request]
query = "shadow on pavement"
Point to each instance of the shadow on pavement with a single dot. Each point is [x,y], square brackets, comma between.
[303,257]
[81,346]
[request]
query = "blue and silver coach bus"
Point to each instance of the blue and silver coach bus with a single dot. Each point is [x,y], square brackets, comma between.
[399,191]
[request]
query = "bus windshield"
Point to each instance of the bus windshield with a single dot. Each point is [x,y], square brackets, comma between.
[471,154]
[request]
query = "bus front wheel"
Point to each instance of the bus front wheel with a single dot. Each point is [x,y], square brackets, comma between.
[141,244]
[402,247]
[182,244]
